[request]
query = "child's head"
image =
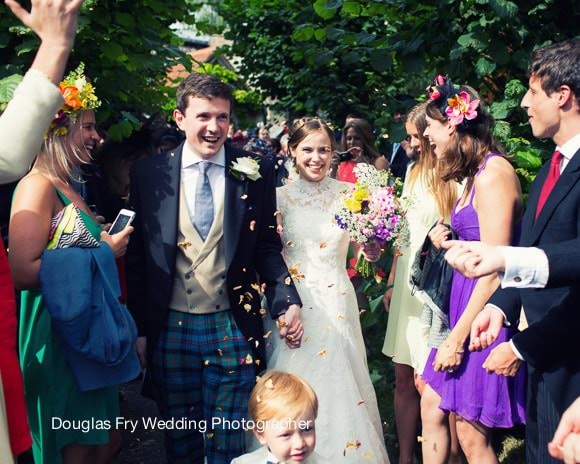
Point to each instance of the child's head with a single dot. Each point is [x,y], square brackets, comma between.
[285,407]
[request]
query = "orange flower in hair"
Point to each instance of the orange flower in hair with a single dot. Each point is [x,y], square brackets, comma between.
[71,96]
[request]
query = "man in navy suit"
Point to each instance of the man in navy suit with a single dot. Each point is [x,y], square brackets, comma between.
[551,225]
[203,251]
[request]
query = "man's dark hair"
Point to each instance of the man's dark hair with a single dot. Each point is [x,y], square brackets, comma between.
[557,65]
[203,86]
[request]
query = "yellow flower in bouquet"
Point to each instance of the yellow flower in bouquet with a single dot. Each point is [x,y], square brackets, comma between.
[353,205]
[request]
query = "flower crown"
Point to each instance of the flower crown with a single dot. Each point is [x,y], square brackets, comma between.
[457,106]
[79,95]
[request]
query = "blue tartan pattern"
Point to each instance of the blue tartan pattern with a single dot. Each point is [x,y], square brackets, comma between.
[202,369]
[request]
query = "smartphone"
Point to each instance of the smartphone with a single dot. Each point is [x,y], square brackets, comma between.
[123,219]
[345,155]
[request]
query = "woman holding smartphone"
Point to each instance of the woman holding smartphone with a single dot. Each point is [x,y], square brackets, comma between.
[48,213]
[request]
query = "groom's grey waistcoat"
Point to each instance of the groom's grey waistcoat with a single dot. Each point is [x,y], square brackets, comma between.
[199,283]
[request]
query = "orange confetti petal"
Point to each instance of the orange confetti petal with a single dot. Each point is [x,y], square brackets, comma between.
[322,353]
[378,279]
[290,243]
[255,287]
[257,362]
[353,444]
[252,225]
[287,280]
[323,245]
[340,317]
[360,402]
[367,456]
[421,439]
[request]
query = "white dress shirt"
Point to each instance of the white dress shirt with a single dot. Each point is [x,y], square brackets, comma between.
[190,173]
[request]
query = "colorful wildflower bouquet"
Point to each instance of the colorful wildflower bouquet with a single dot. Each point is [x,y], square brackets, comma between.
[372,210]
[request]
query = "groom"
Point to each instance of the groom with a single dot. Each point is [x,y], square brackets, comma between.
[204,248]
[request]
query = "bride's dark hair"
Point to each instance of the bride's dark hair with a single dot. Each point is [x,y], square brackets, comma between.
[303,127]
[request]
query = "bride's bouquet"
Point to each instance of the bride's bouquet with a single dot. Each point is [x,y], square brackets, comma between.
[372,210]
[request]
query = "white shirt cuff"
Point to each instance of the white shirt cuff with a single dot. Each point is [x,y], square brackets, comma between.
[516,352]
[524,267]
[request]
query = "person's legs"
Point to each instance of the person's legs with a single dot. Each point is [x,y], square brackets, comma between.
[176,372]
[475,441]
[228,379]
[104,454]
[454,450]
[407,411]
[435,444]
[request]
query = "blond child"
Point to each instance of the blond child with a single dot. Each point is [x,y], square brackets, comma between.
[283,408]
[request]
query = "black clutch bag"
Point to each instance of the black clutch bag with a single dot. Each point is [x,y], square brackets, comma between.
[432,275]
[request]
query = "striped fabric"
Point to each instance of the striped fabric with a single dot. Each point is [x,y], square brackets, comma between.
[542,419]
[67,229]
[203,371]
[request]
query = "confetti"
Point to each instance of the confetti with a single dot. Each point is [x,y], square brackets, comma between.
[330,285]
[184,245]
[267,334]
[244,269]
[255,287]
[421,439]
[210,435]
[290,337]
[287,280]
[249,296]
[269,384]
[263,311]
[322,353]
[206,362]
[249,359]
[241,299]
[354,444]
[248,307]
[276,213]
[340,317]
[244,196]
[263,286]
[290,243]
[258,398]
[323,245]
[329,328]
[367,456]
[257,362]
[220,352]
[237,288]
[305,339]
[360,313]
[378,278]
[295,273]
[252,225]
[360,402]
[257,343]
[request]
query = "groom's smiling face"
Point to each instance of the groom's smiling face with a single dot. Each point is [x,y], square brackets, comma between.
[205,123]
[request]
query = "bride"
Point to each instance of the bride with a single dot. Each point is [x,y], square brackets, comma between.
[332,358]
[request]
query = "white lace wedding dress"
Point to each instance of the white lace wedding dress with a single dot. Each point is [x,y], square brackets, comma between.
[332,358]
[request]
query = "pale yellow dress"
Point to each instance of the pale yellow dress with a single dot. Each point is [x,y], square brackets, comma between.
[406,339]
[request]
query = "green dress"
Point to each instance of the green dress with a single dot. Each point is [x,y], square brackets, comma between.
[59,414]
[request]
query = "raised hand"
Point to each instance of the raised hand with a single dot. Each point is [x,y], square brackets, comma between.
[485,328]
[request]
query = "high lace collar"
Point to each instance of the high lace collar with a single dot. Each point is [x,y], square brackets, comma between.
[308,187]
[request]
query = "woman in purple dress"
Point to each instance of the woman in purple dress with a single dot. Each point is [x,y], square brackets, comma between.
[460,132]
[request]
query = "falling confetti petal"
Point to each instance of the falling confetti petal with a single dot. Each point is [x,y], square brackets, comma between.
[255,287]
[267,334]
[276,213]
[354,444]
[249,359]
[249,295]
[269,384]
[220,352]
[290,243]
[421,439]
[287,280]
[322,353]
[330,285]
[295,273]
[257,362]
[258,398]
[367,456]
[206,362]
[184,245]
[248,307]
[252,225]
[323,245]
[241,299]
[378,278]
[360,402]
[210,435]
[237,288]
[244,196]
[243,269]
[263,311]
[340,317]
[306,338]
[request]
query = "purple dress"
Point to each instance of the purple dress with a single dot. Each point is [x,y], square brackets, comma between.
[472,393]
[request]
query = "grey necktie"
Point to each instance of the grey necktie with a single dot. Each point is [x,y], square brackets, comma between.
[203,201]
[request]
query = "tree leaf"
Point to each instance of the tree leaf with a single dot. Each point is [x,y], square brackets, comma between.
[352,8]
[7,87]
[326,9]
[380,59]
[484,67]
[504,8]
[303,33]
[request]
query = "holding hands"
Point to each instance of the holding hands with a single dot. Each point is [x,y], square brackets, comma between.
[291,328]
[502,361]
[474,259]
[485,329]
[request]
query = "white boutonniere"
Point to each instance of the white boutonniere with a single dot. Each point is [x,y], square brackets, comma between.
[245,167]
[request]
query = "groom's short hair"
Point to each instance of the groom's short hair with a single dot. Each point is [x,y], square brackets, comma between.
[203,86]
[557,64]
[282,396]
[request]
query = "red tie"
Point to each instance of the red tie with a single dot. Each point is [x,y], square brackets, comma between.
[551,180]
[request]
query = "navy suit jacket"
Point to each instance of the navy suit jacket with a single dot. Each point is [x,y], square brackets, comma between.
[550,343]
[250,250]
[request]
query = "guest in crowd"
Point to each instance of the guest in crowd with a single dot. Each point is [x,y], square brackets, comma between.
[283,408]
[47,210]
[358,140]
[460,132]
[407,339]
